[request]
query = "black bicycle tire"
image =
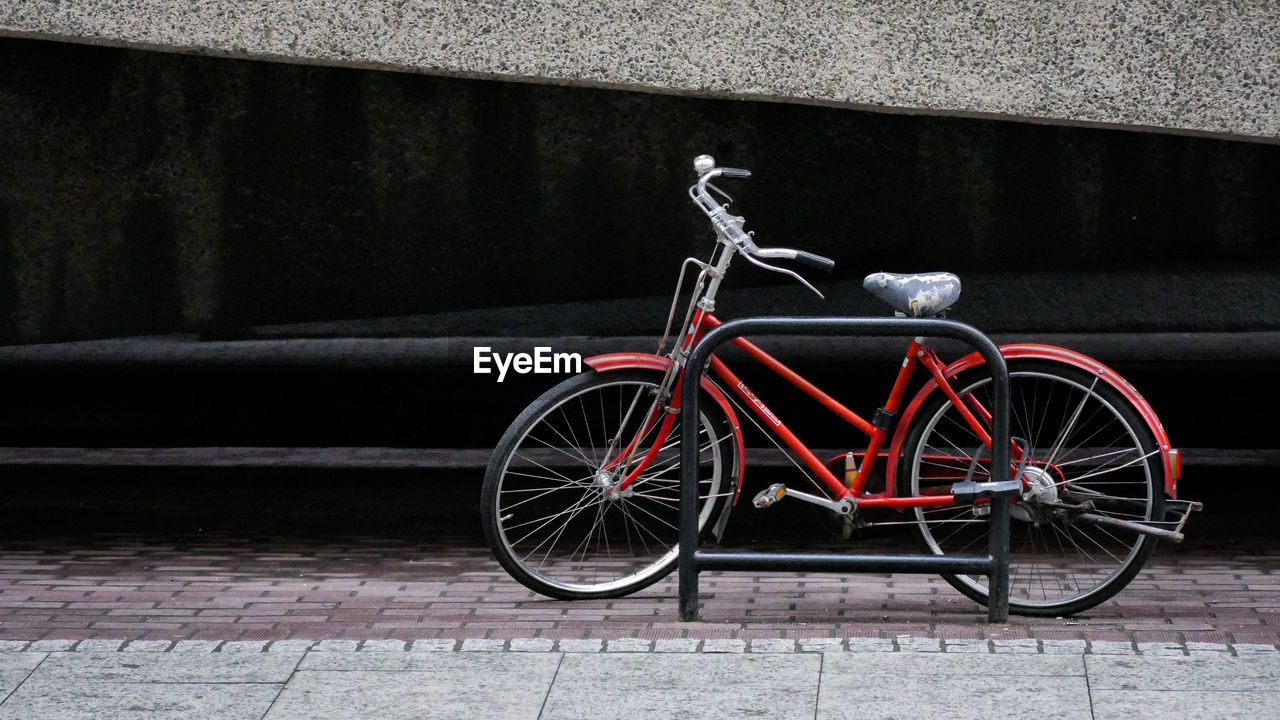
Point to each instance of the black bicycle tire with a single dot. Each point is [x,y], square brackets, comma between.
[520,426]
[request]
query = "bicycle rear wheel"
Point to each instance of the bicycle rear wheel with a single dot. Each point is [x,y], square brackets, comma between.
[1084,443]
[547,509]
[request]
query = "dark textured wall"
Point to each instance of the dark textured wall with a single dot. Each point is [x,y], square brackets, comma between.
[144,192]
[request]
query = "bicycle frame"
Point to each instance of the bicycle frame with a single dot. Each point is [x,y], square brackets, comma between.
[917,354]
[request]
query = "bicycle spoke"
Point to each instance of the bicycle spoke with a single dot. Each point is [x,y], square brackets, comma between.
[571,512]
[655,517]
[567,442]
[592,543]
[544,492]
[640,529]
[573,437]
[1078,448]
[1131,463]
[586,424]
[561,481]
[672,464]
[1094,457]
[545,519]
[1070,425]
[579,457]
[526,458]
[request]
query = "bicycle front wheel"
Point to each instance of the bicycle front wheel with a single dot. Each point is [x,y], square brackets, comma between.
[549,514]
[1085,443]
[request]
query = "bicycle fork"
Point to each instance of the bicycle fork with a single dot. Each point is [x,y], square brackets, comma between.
[621,472]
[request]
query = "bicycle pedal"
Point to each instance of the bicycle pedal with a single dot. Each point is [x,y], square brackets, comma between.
[770,495]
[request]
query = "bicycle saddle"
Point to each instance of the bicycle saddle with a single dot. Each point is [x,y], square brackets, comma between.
[923,295]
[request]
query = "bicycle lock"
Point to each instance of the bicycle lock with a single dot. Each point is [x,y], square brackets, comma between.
[994,565]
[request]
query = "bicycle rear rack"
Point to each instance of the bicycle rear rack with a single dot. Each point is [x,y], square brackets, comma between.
[994,565]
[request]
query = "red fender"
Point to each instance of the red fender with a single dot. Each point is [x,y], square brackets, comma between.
[1169,456]
[647,361]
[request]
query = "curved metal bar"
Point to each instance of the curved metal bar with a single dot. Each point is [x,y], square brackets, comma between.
[691,560]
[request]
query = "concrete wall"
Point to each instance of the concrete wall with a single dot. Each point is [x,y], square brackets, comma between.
[147,192]
[1180,65]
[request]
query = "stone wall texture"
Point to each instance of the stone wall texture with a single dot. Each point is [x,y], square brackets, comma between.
[1181,65]
[145,192]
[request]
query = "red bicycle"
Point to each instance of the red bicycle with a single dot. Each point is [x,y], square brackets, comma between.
[581,494]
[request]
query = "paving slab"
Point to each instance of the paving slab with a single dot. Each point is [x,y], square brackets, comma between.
[93,700]
[954,697]
[921,685]
[677,645]
[195,646]
[1191,705]
[1256,673]
[52,645]
[441,645]
[1064,647]
[712,686]
[421,661]
[168,667]
[970,665]
[968,647]
[15,667]
[455,686]
[549,684]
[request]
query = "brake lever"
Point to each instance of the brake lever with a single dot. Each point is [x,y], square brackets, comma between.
[784,271]
[723,194]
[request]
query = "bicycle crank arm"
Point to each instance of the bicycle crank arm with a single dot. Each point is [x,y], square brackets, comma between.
[1137,527]
[777,491]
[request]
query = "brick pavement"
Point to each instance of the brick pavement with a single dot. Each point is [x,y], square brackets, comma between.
[230,587]
[233,556]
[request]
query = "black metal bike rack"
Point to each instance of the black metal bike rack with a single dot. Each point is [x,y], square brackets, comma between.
[995,565]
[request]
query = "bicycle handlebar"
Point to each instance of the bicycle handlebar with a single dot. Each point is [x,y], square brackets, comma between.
[825,264]
[729,227]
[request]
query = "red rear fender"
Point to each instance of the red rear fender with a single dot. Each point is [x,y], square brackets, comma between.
[1047,352]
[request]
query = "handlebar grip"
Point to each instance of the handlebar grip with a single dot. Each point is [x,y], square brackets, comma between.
[735,173]
[816,261]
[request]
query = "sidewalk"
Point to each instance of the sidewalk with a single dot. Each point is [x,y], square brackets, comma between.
[628,679]
[238,626]
[236,594]
[234,555]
